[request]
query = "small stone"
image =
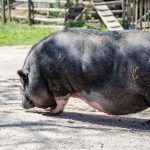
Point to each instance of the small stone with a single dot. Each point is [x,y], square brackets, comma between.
[71,121]
[49,109]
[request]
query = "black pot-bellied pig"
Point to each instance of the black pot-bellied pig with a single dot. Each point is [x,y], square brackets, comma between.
[110,71]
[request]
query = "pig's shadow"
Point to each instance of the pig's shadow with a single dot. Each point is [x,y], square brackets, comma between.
[114,121]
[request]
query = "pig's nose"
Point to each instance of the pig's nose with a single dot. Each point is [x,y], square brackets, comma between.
[27,104]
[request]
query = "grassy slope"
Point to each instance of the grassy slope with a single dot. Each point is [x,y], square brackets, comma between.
[19,34]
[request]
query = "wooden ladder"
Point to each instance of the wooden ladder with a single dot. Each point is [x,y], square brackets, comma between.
[106,15]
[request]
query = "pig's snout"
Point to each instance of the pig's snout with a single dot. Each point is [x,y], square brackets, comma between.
[27,104]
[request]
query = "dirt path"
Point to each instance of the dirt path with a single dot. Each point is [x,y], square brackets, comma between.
[79,128]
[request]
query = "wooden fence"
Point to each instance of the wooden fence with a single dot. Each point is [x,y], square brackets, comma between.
[134,12]
[29,10]
[78,8]
[2,10]
[138,13]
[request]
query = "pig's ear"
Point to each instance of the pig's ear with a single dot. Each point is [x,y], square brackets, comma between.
[21,74]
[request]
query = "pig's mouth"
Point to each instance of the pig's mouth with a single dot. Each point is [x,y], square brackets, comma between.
[28,104]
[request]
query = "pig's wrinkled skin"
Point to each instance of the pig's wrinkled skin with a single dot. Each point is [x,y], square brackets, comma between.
[110,71]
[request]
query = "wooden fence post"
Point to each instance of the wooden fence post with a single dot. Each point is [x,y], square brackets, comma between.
[148,14]
[29,13]
[9,10]
[141,13]
[136,12]
[3,12]
[127,13]
[123,10]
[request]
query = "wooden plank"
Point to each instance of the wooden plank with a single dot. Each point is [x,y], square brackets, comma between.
[123,9]
[136,11]
[113,11]
[29,12]
[9,10]
[50,9]
[107,17]
[20,8]
[3,12]
[89,21]
[133,12]
[77,17]
[59,20]
[49,26]
[106,13]
[142,17]
[145,11]
[43,1]
[141,13]
[114,24]
[42,9]
[19,17]
[148,3]
[145,24]
[97,1]
[119,2]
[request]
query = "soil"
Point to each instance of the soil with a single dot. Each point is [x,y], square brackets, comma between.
[79,127]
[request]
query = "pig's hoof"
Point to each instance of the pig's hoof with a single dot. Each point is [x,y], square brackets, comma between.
[56,113]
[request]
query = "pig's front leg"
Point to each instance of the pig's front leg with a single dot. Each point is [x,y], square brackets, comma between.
[60,107]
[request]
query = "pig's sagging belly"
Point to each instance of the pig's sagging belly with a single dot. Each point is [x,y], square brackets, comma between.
[115,105]
[92,102]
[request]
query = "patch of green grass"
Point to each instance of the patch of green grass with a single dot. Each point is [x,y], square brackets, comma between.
[84,25]
[22,34]
[121,21]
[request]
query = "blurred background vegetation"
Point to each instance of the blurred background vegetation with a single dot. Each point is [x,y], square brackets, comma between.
[20,28]
[21,34]
[16,31]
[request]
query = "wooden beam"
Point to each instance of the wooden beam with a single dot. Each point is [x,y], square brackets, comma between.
[107,16]
[77,17]
[123,10]
[49,26]
[142,17]
[50,9]
[136,11]
[141,13]
[149,13]
[9,10]
[108,3]
[29,13]
[3,12]
[42,1]
[59,20]
[42,9]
